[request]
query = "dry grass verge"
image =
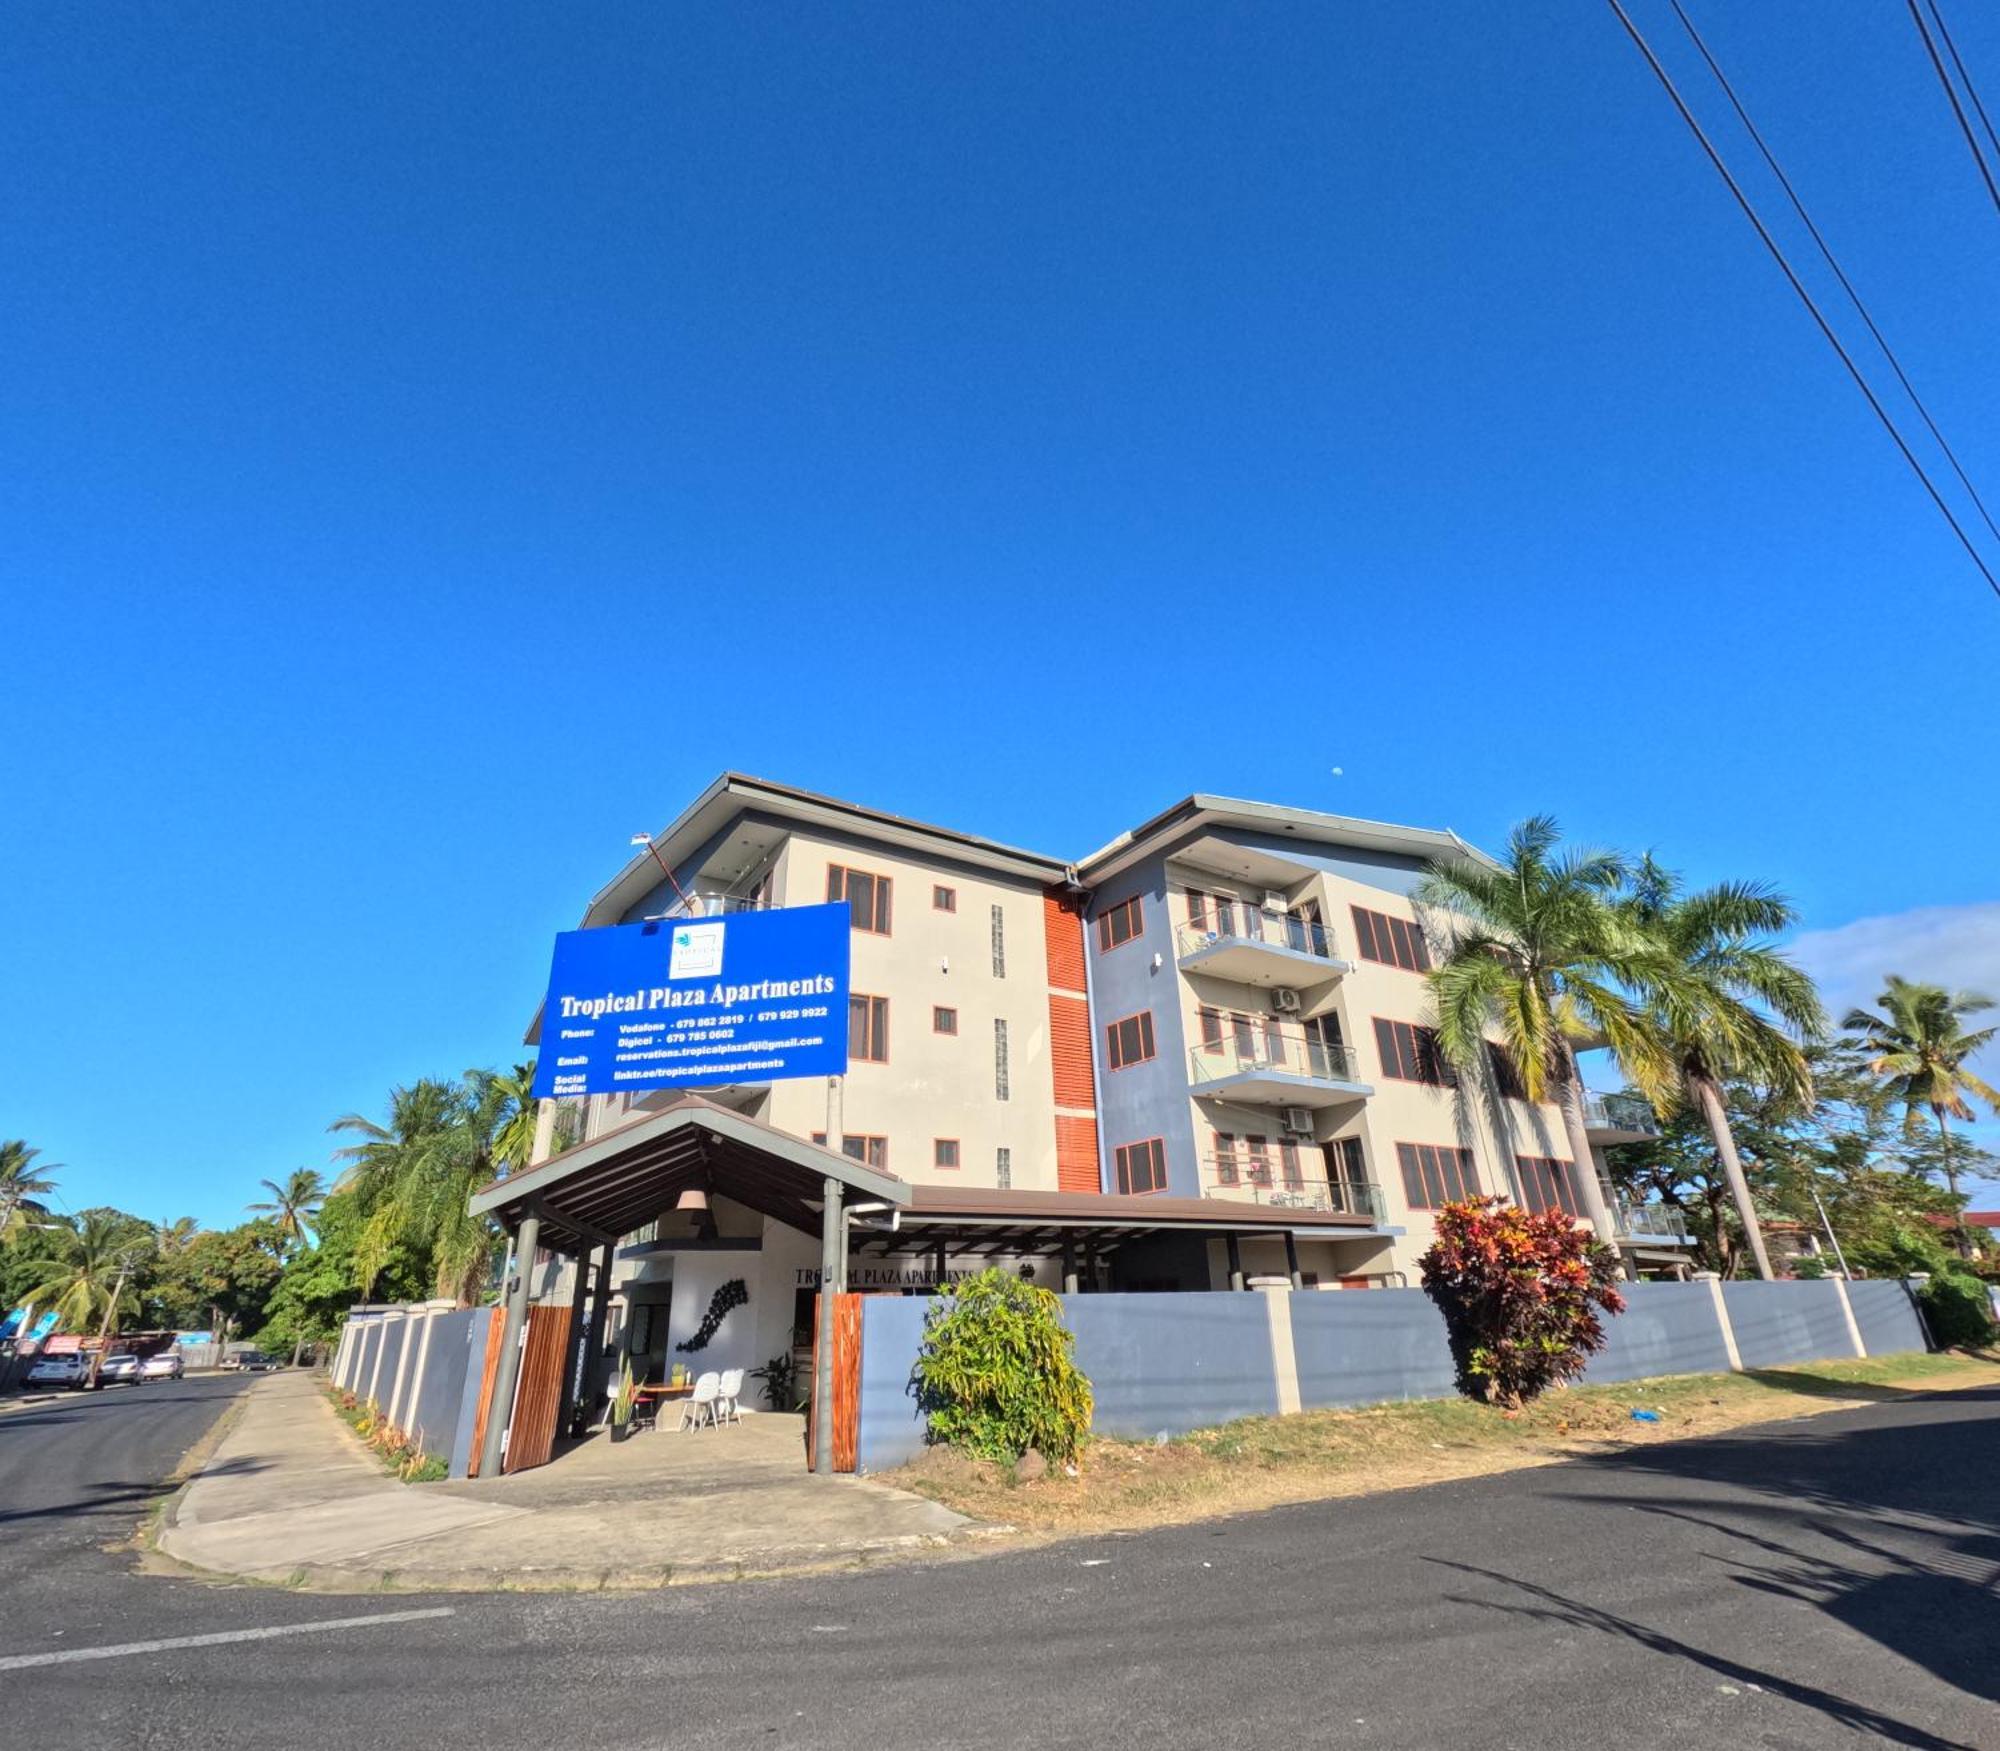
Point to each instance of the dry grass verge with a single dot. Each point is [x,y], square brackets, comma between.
[1262,1462]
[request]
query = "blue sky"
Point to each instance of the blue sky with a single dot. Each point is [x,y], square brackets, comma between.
[435,445]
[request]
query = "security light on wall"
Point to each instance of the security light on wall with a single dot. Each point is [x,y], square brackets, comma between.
[1159,960]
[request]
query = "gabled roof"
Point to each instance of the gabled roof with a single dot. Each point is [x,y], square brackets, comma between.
[1202,811]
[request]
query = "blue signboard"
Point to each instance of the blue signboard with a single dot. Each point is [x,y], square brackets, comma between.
[692,1002]
[10,1327]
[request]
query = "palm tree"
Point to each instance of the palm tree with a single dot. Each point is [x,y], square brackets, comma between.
[175,1236]
[293,1205]
[93,1266]
[514,1137]
[1536,946]
[414,1176]
[20,1180]
[1716,990]
[1919,1045]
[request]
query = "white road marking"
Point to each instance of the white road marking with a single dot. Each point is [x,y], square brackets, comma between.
[15,1661]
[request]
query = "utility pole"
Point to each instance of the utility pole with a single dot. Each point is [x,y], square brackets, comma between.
[1826,1222]
[104,1331]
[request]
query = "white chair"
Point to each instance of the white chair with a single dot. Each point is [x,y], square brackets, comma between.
[727,1410]
[700,1407]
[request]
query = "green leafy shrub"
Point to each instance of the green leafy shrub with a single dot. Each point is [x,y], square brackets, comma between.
[1958,1311]
[1520,1293]
[995,1375]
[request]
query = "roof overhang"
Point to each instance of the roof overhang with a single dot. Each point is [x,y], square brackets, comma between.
[602,1190]
[1201,813]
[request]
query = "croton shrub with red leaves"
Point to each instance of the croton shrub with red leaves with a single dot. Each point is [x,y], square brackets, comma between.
[1521,1292]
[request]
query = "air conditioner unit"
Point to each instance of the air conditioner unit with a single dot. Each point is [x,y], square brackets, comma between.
[1285,1000]
[1299,1121]
[1274,902]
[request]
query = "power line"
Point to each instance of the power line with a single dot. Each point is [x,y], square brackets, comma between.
[1826,250]
[1957,108]
[1805,297]
[1964,76]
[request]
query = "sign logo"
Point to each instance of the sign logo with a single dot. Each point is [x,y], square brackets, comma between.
[697,952]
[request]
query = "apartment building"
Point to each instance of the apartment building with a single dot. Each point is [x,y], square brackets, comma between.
[1222,1008]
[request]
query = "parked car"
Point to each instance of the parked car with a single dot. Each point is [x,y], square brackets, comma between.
[119,1370]
[251,1362]
[167,1365]
[55,1371]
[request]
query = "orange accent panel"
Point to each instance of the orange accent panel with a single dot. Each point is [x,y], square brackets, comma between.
[1069,1052]
[488,1369]
[1076,1155]
[531,1432]
[1062,926]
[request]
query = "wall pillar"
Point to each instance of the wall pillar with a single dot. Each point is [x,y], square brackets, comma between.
[832,1272]
[501,1411]
[1728,1330]
[1847,1313]
[1284,1353]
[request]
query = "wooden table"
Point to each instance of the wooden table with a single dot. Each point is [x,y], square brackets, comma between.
[663,1394]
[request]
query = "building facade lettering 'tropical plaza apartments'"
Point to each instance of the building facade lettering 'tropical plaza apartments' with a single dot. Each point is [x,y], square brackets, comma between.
[1195,1058]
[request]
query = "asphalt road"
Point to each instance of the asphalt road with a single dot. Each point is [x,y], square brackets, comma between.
[1819,1583]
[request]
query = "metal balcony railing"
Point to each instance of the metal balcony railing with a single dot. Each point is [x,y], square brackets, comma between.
[1269,1046]
[1253,1182]
[1656,1222]
[1228,923]
[1619,1112]
[718,905]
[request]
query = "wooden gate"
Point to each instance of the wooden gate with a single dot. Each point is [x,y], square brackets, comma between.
[531,1435]
[846,1383]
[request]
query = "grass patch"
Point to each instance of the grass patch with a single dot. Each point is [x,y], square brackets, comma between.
[1264,1461]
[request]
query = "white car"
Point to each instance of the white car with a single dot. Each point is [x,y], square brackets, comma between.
[119,1370]
[55,1371]
[167,1365]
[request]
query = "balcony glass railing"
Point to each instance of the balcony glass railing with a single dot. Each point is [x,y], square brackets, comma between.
[1233,924]
[1660,1222]
[1269,1046]
[1252,1182]
[1619,1112]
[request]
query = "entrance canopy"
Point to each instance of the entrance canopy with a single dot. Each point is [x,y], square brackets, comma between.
[605,1189]
[602,1190]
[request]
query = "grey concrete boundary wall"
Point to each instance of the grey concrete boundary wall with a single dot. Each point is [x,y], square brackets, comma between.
[1666,1328]
[1887,1316]
[1776,1323]
[1176,1362]
[435,1401]
[1368,1346]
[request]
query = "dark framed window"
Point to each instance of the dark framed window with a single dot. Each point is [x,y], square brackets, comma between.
[944,1153]
[1410,1054]
[1435,1174]
[943,1020]
[1129,1041]
[1225,1158]
[867,896]
[1211,1026]
[1197,905]
[1506,1073]
[1345,1163]
[1395,942]
[858,1146]
[944,899]
[1119,925]
[1548,1184]
[1257,1160]
[1142,1167]
[868,1029]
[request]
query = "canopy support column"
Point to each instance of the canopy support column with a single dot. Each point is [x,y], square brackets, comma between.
[832,1273]
[1292,1260]
[1235,1263]
[509,1371]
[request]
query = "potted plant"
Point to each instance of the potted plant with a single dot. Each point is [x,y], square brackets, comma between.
[622,1402]
[780,1376]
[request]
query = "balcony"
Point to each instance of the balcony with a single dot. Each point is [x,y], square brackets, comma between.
[1268,1183]
[1250,946]
[1269,1064]
[1650,1224]
[1618,1118]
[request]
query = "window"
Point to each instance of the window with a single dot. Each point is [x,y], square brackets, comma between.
[1506,1073]
[1434,1176]
[1211,1026]
[1142,1167]
[868,1029]
[1548,1184]
[867,897]
[856,1146]
[1395,942]
[1003,1167]
[1257,1153]
[1197,903]
[999,943]
[1345,1164]
[1410,1054]
[944,899]
[1288,1165]
[1225,1158]
[943,1020]
[1119,926]
[944,1153]
[999,1059]
[1129,1041]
